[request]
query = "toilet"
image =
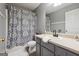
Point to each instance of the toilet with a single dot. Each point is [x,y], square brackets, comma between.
[31,47]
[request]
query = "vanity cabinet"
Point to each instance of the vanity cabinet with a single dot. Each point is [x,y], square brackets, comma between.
[47,49]
[43,49]
[38,49]
[50,49]
[38,46]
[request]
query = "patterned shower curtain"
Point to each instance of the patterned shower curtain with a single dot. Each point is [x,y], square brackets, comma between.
[21,26]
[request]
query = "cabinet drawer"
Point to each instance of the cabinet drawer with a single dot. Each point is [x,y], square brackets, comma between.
[59,51]
[48,46]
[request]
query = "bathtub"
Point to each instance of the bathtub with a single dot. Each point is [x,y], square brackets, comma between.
[17,51]
[21,50]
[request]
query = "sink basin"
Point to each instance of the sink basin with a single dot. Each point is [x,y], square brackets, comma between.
[76,39]
[60,38]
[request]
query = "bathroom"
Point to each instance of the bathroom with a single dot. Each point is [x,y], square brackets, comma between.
[30,29]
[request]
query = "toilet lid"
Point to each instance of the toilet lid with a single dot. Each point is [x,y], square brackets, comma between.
[31,43]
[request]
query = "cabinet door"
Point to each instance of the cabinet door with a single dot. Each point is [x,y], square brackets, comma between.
[70,54]
[59,51]
[46,52]
[38,49]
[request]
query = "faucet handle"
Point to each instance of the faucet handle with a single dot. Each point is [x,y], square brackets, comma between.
[76,37]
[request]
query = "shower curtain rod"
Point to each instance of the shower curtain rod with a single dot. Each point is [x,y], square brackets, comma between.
[18,7]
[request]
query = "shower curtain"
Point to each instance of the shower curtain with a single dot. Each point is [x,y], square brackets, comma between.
[21,26]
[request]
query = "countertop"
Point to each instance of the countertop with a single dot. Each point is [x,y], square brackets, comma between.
[67,43]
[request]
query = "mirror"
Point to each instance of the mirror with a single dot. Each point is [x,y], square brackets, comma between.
[72,21]
[65,19]
[47,24]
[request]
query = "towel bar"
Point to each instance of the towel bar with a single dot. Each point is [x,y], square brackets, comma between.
[2,39]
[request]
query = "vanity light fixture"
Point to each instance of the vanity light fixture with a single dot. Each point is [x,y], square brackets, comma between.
[57,4]
[54,4]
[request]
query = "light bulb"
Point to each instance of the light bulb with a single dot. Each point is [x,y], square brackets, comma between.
[56,4]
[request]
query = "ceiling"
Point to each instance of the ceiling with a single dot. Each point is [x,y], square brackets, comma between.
[30,6]
[50,7]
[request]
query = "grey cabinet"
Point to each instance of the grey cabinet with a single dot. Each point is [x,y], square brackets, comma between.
[46,52]
[63,52]
[48,46]
[43,49]
[38,49]
[49,49]
[70,54]
[59,51]
[38,46]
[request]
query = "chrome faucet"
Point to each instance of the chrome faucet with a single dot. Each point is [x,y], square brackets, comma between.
[76,37]
[54,33]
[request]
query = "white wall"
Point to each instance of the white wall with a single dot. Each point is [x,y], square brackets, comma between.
[2,20]
[41,18]
[2,26]
[47,23]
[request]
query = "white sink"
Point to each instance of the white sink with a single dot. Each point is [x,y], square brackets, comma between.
[60,38]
